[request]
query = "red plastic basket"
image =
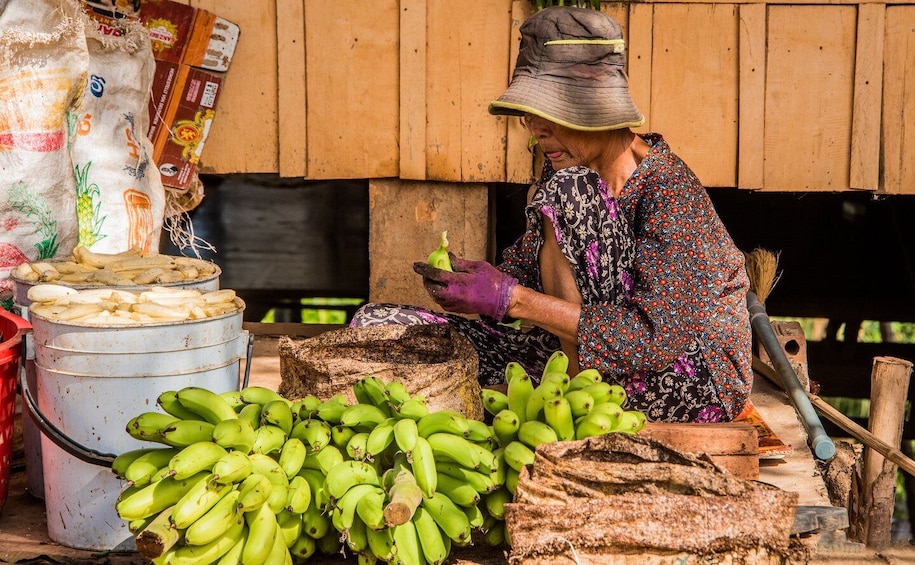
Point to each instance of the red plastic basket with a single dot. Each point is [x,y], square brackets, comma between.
[11,329]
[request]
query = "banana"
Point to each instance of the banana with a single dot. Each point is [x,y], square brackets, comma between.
[212,551]
[356,538]
[519,391]
[182,433]
[558,415]
[251,413]
[199,456]
[495,502]
[451,519]
[517,455]
[331,410]
[505,425]
[278,413]
[413,408]
[216,521]
[254,492]
[481,433]
[370,509]
[329,545]
[499,466]
[600,391]
[580,402]
[303,548]
[443,421]
[454,448]
[348,502]
[168,401]
[278,498]
[315,522]
[406,433]
[314,433]
[149,466]
[197,501]
[407,546]
[323,460]
[237,434]
[396,393]
[207,404]
[361,393]
[440,258]
[156,535]
[494,401]
[618,394]
[562,379]
[315,481]
[511,479]
[308,407]
[268,439]
[592,374]
[580,382]
[381,543]
[423,465]
[299,495]
[148,426]
[362,417]
[611,409]
[340,436]
[262,529]
[487,459]
[154,497]
[459,492]
[268,467]
[292,456]
[233,467]
[544,391]
[558,362]
[357,447]
[279,553]
[290,527]
[480,482]
[404,497]
[495,536]
[347,474]
[122,462]
[630,422]
[233,397]
[474,515]
[374,388]
[514,369]
[254,394]
[380,437]
[594,424]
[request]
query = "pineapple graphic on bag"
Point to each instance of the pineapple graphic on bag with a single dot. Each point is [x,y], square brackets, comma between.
[88,203]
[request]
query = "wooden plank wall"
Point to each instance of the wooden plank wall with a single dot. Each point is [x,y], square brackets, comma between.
[778,96]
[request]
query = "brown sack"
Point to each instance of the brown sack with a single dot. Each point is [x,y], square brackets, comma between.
[431,360]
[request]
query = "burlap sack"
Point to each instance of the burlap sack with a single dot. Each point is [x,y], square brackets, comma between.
[431,360]
[626,499]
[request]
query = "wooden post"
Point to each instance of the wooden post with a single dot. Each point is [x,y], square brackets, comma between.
[889,386]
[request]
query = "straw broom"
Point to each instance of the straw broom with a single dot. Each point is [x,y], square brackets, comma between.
[762,270]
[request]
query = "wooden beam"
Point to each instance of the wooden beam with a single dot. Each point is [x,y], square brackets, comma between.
[864,167]
[752,96]
[413,54]
[291,103]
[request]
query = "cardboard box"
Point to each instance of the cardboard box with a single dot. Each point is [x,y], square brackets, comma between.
[181,110]
[188,35]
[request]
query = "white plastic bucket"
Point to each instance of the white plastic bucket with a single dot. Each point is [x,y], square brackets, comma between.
[90,382]
[31,435]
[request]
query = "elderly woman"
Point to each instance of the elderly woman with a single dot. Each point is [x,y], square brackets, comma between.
[625,265]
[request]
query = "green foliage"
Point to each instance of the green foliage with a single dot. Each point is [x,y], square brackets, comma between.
[321,311]
[541,4]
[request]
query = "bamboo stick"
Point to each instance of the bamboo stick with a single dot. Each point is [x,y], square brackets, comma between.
[859,433]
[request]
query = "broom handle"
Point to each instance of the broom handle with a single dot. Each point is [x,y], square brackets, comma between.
[819,442]
[859,433]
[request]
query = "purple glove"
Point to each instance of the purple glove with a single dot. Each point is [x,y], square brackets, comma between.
[475,287]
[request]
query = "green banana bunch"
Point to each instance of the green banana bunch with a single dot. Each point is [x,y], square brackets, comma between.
[449,517]
[148,426]
[439,258]
[236,434]
[494,401]
[216,521]
[199,456]
[208,405]
[148,467]
[135,504]
[197,501]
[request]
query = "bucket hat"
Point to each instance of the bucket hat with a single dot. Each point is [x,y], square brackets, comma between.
[570,71]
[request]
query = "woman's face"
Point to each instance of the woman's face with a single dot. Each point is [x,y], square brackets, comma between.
[564,147]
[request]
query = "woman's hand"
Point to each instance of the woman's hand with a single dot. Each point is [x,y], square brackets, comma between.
[475,287]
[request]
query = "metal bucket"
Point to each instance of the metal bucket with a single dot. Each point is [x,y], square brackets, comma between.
[31,436]
[90,382]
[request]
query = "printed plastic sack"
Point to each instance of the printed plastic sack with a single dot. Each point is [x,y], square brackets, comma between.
[120,199]
[42,71]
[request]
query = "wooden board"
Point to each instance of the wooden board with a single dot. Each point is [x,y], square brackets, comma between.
[413,55]
[864,170]
[290,45]
[694,86]
[352,59]
[519,166]
[899,109]
[752,93]
[809,87]
[732,446]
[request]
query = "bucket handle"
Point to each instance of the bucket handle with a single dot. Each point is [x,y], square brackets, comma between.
[60,439]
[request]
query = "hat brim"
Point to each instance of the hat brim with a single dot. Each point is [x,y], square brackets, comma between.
[584,108]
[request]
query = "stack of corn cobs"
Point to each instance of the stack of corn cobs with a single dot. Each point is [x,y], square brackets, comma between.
[253,478]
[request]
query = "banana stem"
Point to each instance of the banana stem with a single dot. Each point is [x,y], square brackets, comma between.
[405,497]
